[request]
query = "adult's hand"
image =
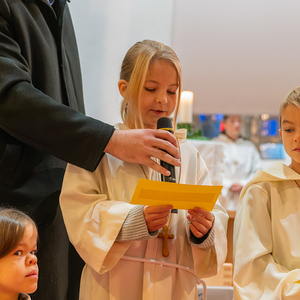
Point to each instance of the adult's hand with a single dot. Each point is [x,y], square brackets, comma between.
[139,145]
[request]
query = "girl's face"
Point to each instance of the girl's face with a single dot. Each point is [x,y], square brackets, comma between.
[18,269]
[290,134]
[159,93]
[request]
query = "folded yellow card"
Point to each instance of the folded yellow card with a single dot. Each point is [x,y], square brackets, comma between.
[181,196]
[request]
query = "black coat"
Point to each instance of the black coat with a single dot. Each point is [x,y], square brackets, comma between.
[40,96]
[42,121]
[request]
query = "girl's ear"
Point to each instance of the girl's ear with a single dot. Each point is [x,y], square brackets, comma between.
[122,85]
[280,133]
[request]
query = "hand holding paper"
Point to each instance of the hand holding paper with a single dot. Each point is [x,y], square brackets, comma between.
[201,221]
[156,217]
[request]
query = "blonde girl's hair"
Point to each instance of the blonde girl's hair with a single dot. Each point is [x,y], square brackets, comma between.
[134,69]
[291,98]
[12,228]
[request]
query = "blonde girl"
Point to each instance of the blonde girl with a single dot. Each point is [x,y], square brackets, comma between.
[120,242]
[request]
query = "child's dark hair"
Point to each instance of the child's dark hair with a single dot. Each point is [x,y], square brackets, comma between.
[12,228]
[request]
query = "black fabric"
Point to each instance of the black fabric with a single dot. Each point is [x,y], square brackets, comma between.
[53,255]
[42,127]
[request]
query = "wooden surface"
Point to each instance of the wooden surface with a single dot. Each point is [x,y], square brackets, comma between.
[230,236]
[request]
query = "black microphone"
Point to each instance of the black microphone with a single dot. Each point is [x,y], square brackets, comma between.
[166,124]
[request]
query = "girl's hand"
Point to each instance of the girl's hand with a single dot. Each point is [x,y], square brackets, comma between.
[201,221]
[236,187]
[156,217]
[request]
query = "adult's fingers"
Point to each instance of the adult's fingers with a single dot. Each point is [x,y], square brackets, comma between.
[158,168]
[166,142]
[140,145]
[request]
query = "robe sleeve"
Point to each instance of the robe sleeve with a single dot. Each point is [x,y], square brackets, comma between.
[93,222]
[256,274]
[135,227]
[207,262]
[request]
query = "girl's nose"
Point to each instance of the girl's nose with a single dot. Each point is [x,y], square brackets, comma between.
[31,259]
[162,98]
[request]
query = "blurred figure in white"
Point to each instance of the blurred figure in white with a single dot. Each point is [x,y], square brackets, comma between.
[241,161]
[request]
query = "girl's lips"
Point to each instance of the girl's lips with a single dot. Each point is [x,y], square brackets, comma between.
[33,274]
[297,149]
[157,111]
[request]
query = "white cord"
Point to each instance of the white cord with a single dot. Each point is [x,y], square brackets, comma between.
[168,264]
[204,288]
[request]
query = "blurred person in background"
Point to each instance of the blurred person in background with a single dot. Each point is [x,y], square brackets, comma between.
[241,160]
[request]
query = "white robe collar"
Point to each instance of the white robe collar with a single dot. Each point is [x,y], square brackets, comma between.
[276,172]
[180,134]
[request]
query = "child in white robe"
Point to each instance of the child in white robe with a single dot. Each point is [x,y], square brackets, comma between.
[18,262]
[241,161]
[119,241]
[266,236]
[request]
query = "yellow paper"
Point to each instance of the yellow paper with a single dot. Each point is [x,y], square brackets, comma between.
[181,196]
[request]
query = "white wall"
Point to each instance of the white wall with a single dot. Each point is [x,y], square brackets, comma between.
[105,31]
[238,56]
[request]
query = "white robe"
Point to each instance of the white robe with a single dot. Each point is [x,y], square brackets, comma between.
[266,237]
[94,207]
[241,161]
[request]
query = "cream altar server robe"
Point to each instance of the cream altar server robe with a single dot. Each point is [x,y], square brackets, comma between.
[266,237]
[94,207]
[241,161]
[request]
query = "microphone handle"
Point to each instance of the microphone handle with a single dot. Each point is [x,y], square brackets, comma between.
[170,168]
[166,124]
[170,178]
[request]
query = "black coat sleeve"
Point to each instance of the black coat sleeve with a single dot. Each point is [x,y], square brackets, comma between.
[34,104]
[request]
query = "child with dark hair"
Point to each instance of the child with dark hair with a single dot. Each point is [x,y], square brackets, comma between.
[18,262]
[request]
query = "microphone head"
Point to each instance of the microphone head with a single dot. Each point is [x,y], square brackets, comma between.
[164,124]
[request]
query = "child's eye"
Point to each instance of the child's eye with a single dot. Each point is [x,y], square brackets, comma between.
[288,130]
[172,93]
[149,90]
[18,253]
[33,252]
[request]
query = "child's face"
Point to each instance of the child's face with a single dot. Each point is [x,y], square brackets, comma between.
[290,134]
[159,93]
[233,126]
[18,269]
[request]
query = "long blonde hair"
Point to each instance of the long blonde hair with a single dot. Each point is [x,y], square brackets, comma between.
[293,98]
[134,69]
